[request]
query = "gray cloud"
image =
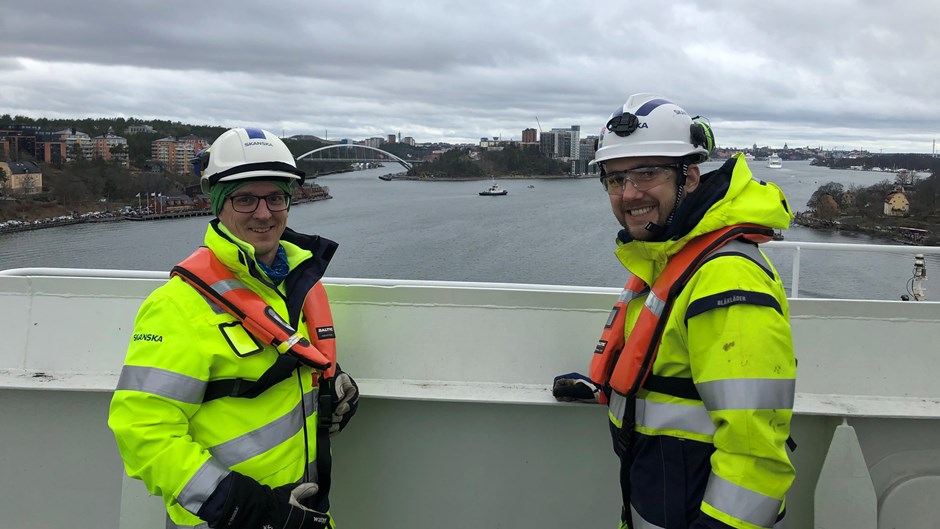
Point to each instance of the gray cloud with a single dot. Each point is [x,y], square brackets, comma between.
[848,73]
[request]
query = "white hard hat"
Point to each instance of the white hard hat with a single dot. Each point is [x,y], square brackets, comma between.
[246,154]
[650,125]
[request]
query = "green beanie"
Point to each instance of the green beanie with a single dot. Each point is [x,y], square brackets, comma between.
[222,190]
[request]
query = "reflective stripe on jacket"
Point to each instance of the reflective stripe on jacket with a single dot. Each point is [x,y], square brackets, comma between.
[182,447]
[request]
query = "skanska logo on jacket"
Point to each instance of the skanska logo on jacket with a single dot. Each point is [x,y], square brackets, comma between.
[141,337]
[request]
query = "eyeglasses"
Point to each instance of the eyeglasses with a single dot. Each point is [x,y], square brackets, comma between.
[643,178]
[249,203]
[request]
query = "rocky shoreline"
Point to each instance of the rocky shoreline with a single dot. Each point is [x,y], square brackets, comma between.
[886,227]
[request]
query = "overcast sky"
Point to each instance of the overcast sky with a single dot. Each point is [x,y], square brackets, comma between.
[831,73]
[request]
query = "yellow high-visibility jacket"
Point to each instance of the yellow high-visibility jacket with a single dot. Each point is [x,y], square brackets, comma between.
[721,460]
[181,447]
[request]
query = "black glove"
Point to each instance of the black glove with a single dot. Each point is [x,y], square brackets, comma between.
[251,505]
[574,387]
[345,401]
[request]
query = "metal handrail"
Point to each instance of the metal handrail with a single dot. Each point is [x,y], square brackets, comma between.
[796,246]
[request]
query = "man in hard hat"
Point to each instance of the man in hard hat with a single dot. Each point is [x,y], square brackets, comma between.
[695,361]
[230,389]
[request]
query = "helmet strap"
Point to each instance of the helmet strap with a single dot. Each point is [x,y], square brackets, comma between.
[680,192]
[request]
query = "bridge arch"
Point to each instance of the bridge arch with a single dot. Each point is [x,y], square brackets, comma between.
[340,146]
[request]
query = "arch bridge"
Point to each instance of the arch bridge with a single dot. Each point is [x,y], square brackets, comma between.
[344,152]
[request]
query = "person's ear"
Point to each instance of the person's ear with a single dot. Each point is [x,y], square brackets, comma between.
[693,178]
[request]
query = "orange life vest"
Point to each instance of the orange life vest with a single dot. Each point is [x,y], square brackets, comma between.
[626,366]
[204,272]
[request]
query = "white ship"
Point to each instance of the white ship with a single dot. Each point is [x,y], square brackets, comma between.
[457,427]
[774,161]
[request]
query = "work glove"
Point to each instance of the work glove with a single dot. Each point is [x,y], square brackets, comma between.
[575,387]
[251,505]
[345,402]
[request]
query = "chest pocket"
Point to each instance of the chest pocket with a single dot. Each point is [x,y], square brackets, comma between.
[242,343]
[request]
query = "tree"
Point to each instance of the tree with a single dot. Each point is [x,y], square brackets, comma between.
[29,184]
[833,189]
[926,197]
[827,208]
[77,153]
[119,154]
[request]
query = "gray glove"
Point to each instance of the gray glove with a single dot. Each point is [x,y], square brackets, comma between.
[308,517]
[345,402]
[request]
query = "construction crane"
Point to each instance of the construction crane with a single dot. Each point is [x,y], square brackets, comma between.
[540,125]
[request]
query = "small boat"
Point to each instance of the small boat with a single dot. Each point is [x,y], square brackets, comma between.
[912,236]
[774,161]
[494,191]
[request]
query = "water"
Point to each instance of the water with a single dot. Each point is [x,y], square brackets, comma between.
[557,232]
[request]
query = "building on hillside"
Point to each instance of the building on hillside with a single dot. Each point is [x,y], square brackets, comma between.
[529,135]
[21,143]
[50,148]
[139,129]
[495,144]
[14,144]
[176,153]
[111,147]
[896,204]
[374,142]
[408,140]
[22,178]
[77,144]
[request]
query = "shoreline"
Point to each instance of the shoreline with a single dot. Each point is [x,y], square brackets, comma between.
[16,226]
[888,228]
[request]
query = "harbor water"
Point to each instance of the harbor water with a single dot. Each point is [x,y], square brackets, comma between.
[545,231]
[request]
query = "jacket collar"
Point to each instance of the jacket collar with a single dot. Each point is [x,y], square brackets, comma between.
[726,196]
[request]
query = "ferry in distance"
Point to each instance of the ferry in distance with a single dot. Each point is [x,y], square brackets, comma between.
[458,424]
[774,162]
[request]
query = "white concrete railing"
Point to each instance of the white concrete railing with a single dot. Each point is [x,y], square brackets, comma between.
[455,382]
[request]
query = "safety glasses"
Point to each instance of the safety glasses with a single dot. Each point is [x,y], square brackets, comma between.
[642,178]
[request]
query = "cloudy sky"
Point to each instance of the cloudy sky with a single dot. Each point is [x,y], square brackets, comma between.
[832,73]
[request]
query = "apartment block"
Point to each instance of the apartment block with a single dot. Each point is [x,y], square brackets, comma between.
[77,144]
[176,153]
[111,147]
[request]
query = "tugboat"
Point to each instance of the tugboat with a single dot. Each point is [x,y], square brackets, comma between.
[494,191]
